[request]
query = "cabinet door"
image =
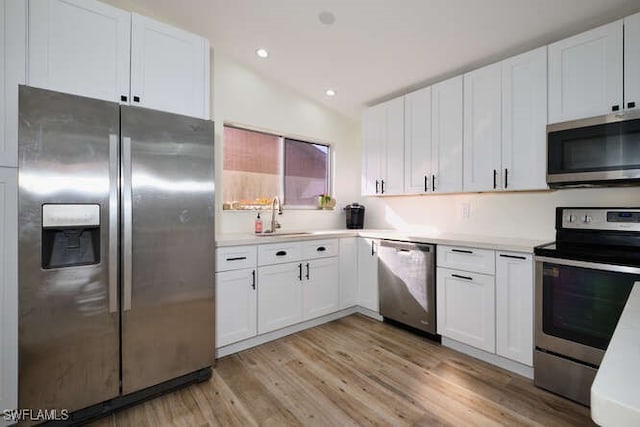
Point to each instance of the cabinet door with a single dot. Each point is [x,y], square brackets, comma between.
[169,68]
[632,61]
[585,74]
[348,272]
[514,306]
[321,293]
[446,136]
[8,288]
[368,274]
[279,296]
[524,121]
[417,142]
[79,47]
[13,36]
[482,128]
[466,307]
[393,156]
[236,306]
[374,121]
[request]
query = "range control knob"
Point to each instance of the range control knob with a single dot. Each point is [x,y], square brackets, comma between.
[572,218]
[587,219]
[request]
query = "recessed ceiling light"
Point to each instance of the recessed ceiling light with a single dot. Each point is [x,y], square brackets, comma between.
[330,92]
[262,53]
[327,18]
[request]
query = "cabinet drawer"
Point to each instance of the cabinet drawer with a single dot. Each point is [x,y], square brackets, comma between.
[468,259]
[320,248]
[278,253]
[236,258]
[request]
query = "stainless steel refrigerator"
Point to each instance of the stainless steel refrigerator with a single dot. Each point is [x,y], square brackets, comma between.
[116,249]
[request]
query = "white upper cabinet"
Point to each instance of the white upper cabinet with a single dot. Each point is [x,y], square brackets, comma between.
[79,47]
[482,128]
[383,148]
[446,136]
[88,48]
[632,61]
[373,139]
[524,119]
[13,39]
[586,74]
[169,68]
[417,142]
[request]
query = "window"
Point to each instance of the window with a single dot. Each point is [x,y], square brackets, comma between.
[258,166]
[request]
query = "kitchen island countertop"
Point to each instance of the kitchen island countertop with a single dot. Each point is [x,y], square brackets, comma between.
[615,393]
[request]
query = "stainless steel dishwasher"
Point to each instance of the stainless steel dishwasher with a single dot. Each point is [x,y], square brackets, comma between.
[406,274]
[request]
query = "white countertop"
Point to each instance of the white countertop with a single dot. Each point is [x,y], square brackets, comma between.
[474,241]
[615,393]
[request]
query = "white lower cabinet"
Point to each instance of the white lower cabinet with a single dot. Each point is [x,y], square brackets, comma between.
[348,272]
[466,307]
[280,290]
[8,289]
[368,274]
[236,314]
[321,288]
[514,306]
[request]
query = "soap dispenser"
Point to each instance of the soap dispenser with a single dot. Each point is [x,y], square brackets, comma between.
[258,224]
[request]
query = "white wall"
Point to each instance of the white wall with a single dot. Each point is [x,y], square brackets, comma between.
[241,96]
[518,214]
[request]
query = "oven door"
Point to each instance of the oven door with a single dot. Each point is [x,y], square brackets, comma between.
[578,305]
[604,148]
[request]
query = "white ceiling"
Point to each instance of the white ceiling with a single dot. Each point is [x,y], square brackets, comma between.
[377,49]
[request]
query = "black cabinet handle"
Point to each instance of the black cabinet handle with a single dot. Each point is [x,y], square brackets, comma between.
[426,183]
[307,271]
[495,175]
[506,177]
[433,182]
[123,98]
[382,186]
[376,186]
[299,271]
[136,99]
[240,258]
[253,279]
[321,249]
[512,256]
[462,251]
[615,108]
[281,253]
[457,276]
[373,248]
[631,104]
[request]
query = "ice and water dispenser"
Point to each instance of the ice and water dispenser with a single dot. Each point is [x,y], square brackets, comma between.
[70,235]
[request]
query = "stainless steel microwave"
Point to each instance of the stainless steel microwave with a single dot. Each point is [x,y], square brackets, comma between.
[598,151]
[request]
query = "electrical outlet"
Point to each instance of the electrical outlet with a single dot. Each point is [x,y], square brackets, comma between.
[465,210]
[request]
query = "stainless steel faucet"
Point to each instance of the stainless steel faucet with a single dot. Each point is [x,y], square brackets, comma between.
[274,223]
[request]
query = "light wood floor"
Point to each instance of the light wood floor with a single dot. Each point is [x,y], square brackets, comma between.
[355,371]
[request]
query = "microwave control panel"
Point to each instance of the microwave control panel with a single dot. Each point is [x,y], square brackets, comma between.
[601,219]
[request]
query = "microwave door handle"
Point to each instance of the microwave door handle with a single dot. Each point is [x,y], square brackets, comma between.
[127,201]
[113,222]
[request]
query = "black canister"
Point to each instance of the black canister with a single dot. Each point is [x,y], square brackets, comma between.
[355,216]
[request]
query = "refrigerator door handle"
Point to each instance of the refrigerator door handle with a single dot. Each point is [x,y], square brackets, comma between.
[113,223]
[126,222]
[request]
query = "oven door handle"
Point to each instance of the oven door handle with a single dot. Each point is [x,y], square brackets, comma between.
[588,264]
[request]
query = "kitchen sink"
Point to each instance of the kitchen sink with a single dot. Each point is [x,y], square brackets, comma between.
[294,233]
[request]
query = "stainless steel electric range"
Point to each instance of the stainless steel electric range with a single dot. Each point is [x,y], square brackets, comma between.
[583,281]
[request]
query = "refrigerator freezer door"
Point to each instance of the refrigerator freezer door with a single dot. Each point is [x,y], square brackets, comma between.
[68,321]
[168,228]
